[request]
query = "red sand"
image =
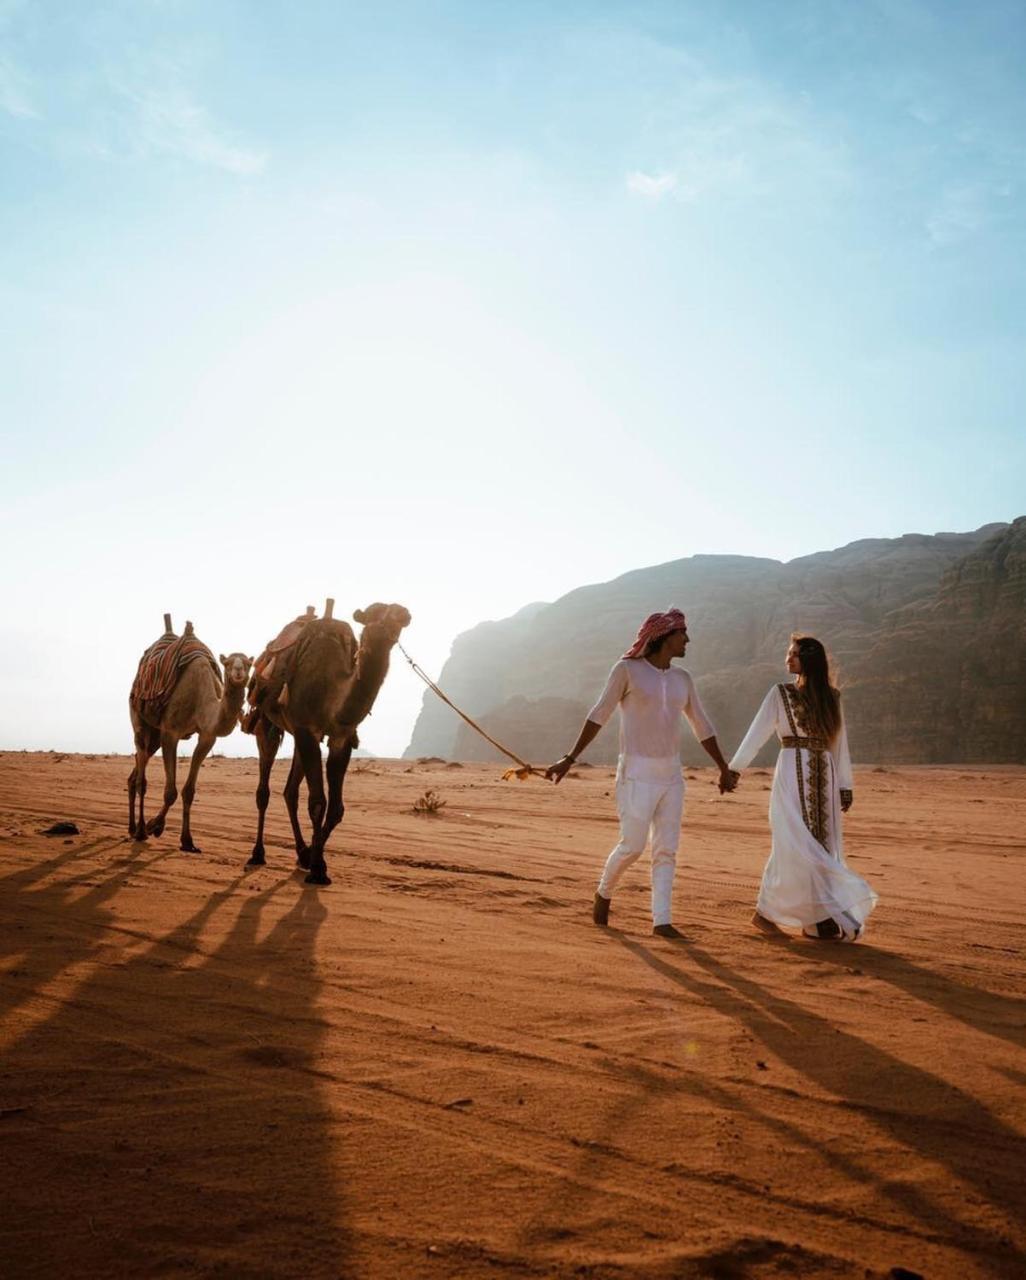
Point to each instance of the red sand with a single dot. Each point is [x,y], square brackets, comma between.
[439,1067]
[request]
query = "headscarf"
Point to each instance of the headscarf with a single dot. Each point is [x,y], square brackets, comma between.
[655,627]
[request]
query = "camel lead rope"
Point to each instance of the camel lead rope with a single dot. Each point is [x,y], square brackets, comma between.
[524,771]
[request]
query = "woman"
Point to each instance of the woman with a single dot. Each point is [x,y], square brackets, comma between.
[806,884]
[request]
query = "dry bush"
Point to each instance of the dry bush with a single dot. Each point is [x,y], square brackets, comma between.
[430,803]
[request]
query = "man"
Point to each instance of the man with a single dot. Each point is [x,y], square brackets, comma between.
[652,695]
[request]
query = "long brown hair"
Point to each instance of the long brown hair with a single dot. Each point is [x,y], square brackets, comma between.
[821,701]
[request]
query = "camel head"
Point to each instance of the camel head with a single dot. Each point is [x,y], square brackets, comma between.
[382,623]
[236,669]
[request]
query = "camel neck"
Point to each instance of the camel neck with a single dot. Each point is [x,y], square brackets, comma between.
[371,669]
[231,705]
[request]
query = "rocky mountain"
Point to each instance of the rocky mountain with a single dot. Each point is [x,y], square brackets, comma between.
[928,635]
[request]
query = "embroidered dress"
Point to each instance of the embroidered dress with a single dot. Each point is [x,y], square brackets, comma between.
[806,878]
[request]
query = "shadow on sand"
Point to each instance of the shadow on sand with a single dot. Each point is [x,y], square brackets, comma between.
[165,1104]
[921,1113]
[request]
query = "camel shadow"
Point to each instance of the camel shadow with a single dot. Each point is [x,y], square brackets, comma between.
[947,1127]
[53,902]
[167,1102]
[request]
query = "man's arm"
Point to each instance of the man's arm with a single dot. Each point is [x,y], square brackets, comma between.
[728,776]
[616,687]
[557,771]
[702,728]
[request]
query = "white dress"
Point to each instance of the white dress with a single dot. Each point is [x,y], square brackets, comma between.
[806,878]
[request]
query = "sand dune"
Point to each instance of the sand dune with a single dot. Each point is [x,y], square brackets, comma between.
[439,1067]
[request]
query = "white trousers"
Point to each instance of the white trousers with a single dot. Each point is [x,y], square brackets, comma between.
[650,801]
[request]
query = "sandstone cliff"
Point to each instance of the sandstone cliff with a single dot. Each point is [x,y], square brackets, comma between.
[928,634]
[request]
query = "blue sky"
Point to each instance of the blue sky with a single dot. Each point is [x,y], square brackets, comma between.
[464,305]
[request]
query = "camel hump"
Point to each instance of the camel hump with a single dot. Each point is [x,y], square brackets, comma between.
[276,666]
[159,670]
[333,630]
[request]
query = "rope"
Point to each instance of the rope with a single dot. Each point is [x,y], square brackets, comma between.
[522,773]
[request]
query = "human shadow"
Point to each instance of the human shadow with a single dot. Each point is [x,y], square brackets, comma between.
[990,1012]
[948,1126]
[168,1102]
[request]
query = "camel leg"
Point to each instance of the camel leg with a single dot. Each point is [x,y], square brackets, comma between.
[338,762]
[268,738]
[292,804]
[310,753]
[169,749]
[203,745]
[145,739]
[145,745]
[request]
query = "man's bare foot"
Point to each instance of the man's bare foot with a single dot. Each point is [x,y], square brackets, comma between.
[600,911]
[766,926]
[667,931]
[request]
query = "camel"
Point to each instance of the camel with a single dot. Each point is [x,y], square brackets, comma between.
[332,685]
[201,703]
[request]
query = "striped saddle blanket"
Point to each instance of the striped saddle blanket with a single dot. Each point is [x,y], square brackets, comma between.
[159,669]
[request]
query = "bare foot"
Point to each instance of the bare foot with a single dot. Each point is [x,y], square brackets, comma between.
[767,926]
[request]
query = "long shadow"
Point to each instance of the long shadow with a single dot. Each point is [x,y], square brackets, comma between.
[167,1104]
[948,1126]
[577,1192]
[988,1011]
[75,944]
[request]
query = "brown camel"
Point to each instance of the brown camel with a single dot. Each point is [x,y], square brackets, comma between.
[201,703]
[332,684]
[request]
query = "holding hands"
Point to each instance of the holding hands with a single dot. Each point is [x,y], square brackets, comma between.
[729,778]
[558,771]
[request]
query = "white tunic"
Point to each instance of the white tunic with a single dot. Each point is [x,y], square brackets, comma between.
[651,703]
[806,878]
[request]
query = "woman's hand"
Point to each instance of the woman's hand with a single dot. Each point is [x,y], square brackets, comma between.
[846,799]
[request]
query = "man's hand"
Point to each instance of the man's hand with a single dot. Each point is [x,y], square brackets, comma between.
[558,771]
[729,778]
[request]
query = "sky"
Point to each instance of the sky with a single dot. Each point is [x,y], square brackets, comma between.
[463,305]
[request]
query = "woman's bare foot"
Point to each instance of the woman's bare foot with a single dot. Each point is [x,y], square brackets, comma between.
[766,926]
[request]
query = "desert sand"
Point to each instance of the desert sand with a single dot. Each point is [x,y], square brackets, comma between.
[440,1067]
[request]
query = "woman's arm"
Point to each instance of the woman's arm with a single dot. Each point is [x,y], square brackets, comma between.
[762,726]
[842,765]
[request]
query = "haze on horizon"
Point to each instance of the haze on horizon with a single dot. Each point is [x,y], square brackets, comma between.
[465,306]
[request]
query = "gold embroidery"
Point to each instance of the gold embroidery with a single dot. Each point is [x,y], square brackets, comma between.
[817,821]
[818,790]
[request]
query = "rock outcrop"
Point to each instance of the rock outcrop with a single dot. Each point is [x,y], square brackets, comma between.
[928,634]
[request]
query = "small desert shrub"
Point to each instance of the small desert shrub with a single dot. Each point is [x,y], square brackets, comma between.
[429,803]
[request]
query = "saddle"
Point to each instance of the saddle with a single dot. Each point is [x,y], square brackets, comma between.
[268,689]
[160,668]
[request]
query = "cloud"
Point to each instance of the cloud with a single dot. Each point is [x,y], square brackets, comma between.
[651,185]
[168,120]
[705,133]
